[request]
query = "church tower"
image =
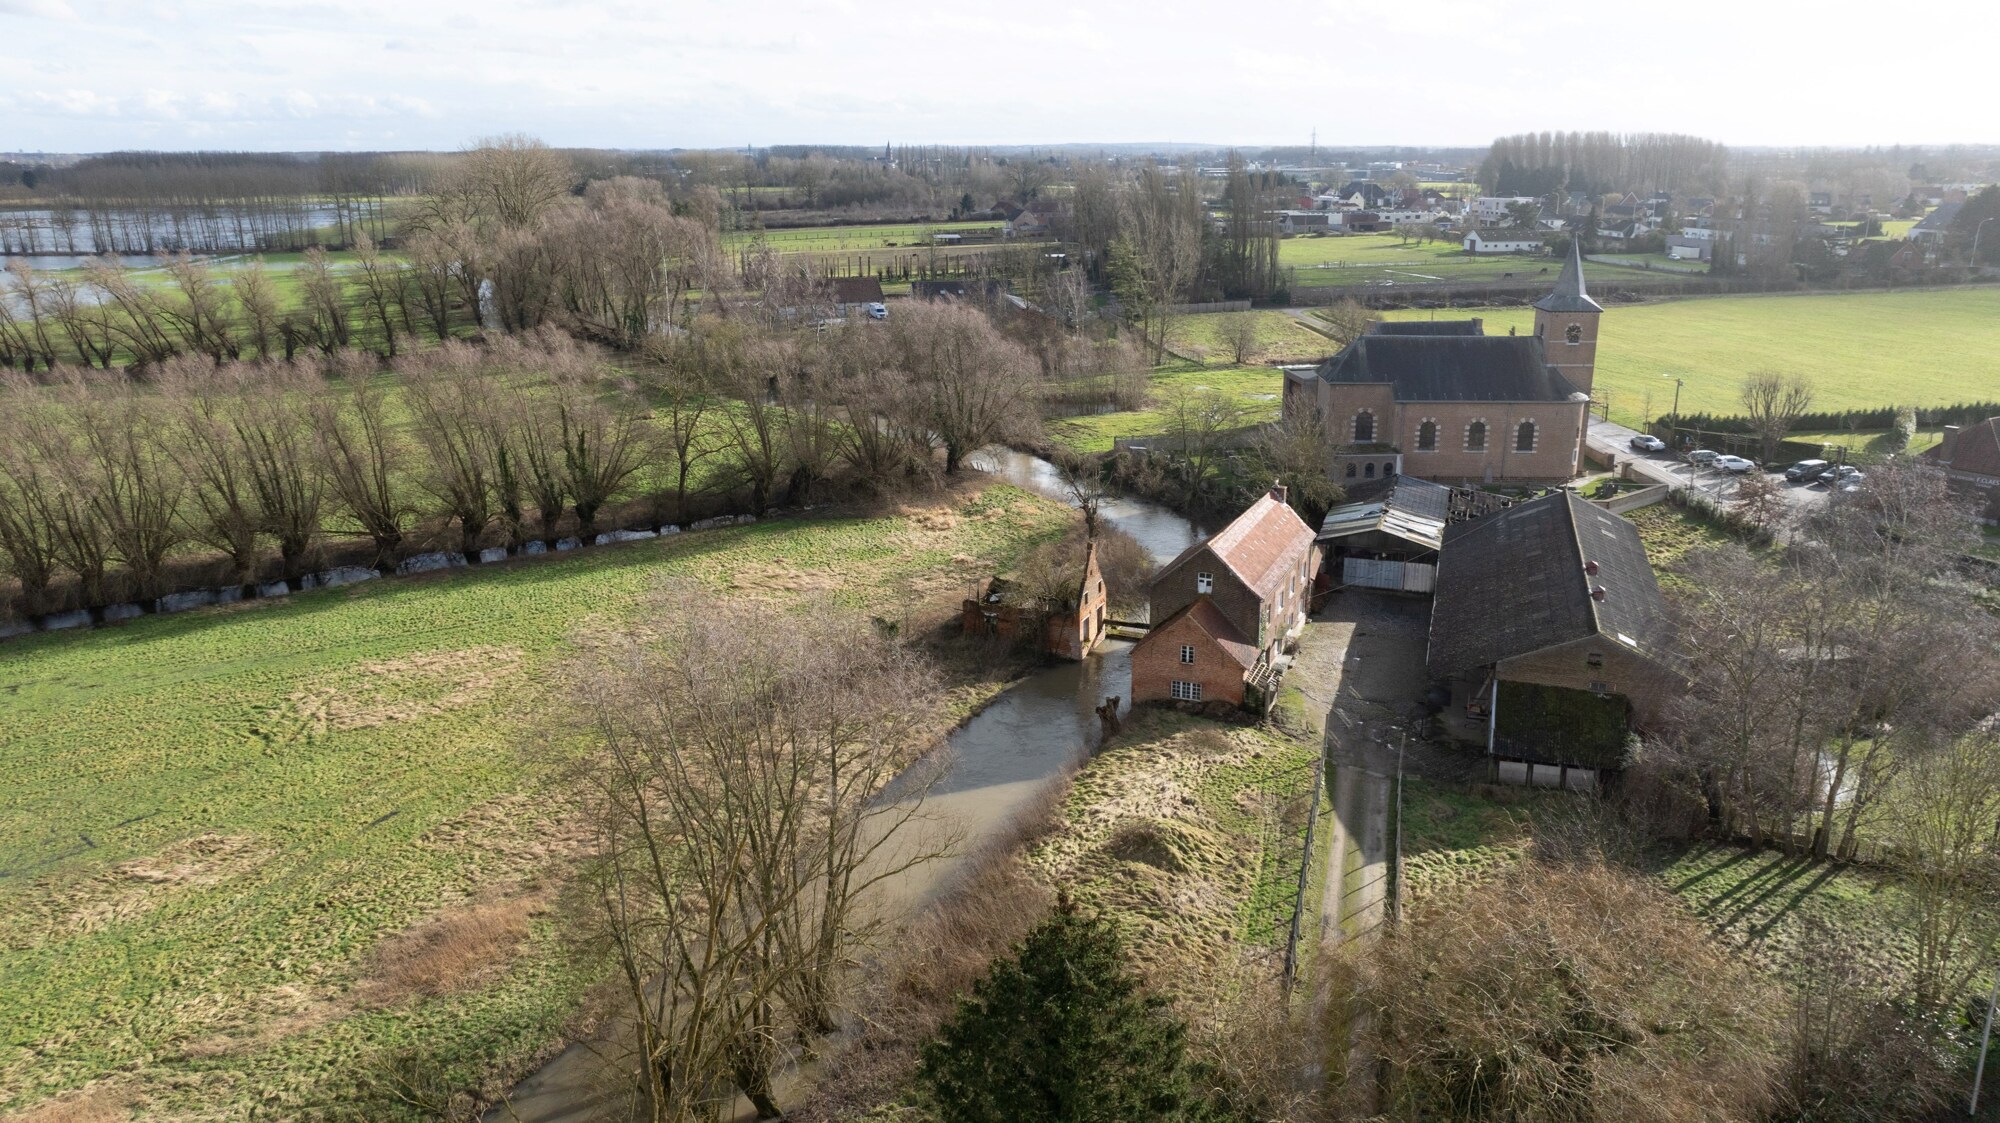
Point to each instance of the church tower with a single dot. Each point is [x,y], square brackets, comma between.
[1566,323]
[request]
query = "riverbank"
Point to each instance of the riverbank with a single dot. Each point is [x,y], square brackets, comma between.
[216,821]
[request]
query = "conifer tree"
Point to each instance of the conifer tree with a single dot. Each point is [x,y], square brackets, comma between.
[1063,1032]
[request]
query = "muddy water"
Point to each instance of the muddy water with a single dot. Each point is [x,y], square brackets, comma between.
[995,766]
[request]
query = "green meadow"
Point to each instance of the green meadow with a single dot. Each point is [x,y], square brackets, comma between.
[214,824]
[1255,391]
[1930,347]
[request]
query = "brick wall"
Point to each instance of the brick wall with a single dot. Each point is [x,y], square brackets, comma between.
[1646,684]
[1558,442]
[1577,361]
[1176,588]
[1156,664]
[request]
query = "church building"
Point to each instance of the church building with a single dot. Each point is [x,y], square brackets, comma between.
[1442,400]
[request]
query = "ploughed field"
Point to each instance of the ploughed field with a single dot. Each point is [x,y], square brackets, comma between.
[247,853]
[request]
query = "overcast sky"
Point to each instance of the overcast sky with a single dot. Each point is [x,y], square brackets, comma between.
[93,75]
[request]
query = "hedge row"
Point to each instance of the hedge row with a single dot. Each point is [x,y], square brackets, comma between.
[1880,417]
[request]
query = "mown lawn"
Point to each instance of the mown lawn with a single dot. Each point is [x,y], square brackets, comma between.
[1388,260]
[1860,350]
[211,822]
[1255,390]
[1280,338]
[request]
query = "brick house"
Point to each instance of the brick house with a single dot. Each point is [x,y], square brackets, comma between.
[1071,627]
[1550,613]
[1970,457]
[1445,401]
[1227,609]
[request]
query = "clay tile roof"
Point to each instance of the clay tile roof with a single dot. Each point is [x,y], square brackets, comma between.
[1262,545]
[1210,619]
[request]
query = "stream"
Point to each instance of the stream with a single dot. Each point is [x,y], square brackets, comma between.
[997,763]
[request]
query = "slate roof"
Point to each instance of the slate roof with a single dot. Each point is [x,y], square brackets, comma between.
[857,290]
[1427,327]
[1569,294]
[1975,449]
[1939,220]
[1452,368]
[1516,581]
[1261,546]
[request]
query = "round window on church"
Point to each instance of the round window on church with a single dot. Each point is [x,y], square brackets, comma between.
[1573,333]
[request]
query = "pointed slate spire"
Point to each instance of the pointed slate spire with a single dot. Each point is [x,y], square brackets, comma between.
[1569,294]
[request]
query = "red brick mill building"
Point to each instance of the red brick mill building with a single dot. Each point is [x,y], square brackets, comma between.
[1227,610]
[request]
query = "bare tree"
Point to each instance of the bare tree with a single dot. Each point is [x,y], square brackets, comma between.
[514,179]
[1941,815]
[1774,402]
[211,457]
[739,828]
[1082,477]
[1197,421]
[452,406]
[326,316]
[382,287]
[974,385]
[259,300]
[1297,451]
[200,314]
[682,425]
[363,453]
[1239,334]
[29,491]
[123,466]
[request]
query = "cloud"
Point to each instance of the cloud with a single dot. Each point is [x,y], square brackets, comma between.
[40,9]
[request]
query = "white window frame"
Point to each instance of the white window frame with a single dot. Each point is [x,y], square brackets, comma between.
[1184,691]
[1204,582]
[1187,653]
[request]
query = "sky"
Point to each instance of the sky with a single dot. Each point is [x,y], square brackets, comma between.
[98,75]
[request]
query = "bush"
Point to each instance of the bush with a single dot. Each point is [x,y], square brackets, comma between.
[1568,992]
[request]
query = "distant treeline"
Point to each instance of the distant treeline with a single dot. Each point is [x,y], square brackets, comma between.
[1598,163]
[1877,418]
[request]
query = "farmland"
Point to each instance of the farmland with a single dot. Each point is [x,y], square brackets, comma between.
[843,239]
[1918,348]
[216,822]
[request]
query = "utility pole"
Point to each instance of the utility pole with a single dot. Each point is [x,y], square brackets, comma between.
[1677,406]
[1985,1036]
[1397,901]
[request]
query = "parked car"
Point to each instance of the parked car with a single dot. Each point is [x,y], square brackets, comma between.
[1846,477]
[878,311]
[1703,457]
[1806,470]
[1736,464]
[1646,442]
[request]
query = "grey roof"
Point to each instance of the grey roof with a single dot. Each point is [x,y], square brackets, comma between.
[1411,509]
[1517,581]
[1939,219]
[1452,368]
[1427,327]
[1569,294]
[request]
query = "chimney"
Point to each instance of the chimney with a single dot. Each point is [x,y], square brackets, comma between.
[1597,592]
[1278,492]
[1590,567]
[1945,444]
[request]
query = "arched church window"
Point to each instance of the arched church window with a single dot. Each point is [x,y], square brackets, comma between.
[1427,437]
[1475,437]
[1524,437]
[1368,472]
[1364,427]
[1350,471]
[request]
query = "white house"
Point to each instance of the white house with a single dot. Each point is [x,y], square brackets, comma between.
[1480,241]
[1408,217]
[1300,222]
[1493,208]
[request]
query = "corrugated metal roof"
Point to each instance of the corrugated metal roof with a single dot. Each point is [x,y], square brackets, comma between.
[1413,510]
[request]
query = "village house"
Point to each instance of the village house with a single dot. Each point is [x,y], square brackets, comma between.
[1227,609]
[1070,626]
[1442,400]
[1301,222]
[1970,458]
[1502,241]
[1548,620]
[853,295]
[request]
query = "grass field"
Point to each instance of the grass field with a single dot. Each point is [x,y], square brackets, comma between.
[1379,259]
[214,822]
[1280,339]
[1921,348]
[841,239]
[1256,390]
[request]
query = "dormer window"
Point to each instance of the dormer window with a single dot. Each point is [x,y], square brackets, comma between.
[1204,582]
